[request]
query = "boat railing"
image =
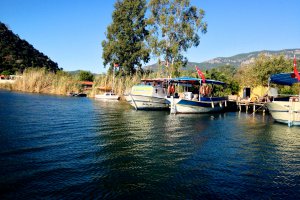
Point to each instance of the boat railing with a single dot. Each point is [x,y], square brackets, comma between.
[195,97]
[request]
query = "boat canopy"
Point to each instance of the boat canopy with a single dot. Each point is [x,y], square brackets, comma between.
[155,80]
[284,79]
[195,81]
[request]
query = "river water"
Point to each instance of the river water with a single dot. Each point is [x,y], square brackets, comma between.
[79,148]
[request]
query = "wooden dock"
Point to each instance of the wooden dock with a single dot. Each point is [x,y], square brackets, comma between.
[255,106]
[247,105]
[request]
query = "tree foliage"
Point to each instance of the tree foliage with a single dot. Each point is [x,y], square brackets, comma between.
[17,54]
[225,74]
[174,29]
[125,36]
[258,72]
[85,76]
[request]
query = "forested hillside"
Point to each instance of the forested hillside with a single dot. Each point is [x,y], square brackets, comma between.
[17,54]
[236,60]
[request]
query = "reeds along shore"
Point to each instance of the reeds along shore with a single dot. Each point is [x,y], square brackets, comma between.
[42,81]
[62,83]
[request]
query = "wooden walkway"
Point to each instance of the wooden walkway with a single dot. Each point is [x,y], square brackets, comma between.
[256,106]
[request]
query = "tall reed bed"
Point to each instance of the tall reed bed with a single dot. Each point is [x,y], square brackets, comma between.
[36,80]
[43,81]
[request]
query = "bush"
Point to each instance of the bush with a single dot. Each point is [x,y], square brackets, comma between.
[6,73]
[85,76]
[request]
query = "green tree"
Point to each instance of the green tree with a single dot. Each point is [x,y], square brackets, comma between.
[85,76]
[125,36]
[174,29]
[259,71]
[225,74]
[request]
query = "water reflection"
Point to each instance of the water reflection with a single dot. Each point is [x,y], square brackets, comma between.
[143,149]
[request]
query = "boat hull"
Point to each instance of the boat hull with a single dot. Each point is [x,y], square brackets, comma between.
[285,112]
[192,106]
[140,102]
[107,97]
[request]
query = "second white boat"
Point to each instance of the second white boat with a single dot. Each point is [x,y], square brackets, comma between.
[149,95]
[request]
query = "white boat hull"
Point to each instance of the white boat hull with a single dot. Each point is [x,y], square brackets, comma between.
[190,106]
[107,96]
[140,102]
[285,112]
[196,109]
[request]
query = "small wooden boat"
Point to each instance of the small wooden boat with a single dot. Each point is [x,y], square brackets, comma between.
[108,91]
[72,94]
[107,96]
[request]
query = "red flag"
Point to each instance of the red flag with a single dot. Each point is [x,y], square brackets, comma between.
[295,69]
[200,74]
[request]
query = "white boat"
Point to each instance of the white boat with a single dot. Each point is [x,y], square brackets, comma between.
[200,102]
[287,109]
[107,96]
[149,95]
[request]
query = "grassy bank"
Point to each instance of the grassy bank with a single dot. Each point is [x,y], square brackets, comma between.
[62,83]
[43,81]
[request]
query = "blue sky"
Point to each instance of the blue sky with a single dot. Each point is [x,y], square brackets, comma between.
[70,31]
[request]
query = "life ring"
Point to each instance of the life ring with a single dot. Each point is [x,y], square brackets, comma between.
[207,90]
[172,89]
[202,90]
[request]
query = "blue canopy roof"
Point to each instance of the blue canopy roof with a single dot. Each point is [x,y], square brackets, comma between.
[284,79]
[193,80]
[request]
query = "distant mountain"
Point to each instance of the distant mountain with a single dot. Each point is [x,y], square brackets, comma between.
[17,54]
[237,60]
[74,72]
[78,71]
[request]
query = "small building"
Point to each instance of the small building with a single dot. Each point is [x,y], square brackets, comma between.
[87,85]
[257,92]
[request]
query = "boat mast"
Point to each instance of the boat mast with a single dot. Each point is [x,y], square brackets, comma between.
[112,88]
[200,89]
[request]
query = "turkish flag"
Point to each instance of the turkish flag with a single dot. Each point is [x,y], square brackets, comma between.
[200,74]
[295,69]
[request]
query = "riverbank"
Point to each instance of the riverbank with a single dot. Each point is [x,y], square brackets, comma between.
[62,83]
[42,81]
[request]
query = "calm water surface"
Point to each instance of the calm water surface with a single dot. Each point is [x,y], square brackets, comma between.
[79,148]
